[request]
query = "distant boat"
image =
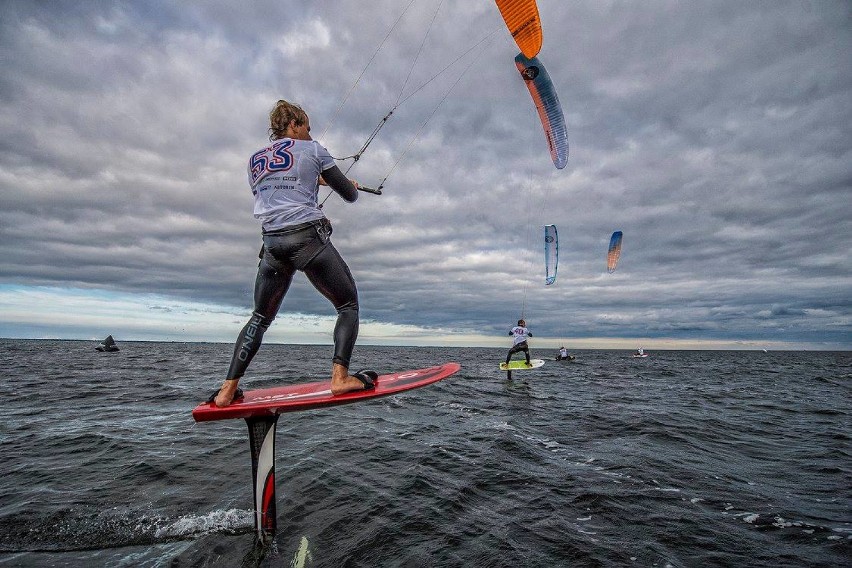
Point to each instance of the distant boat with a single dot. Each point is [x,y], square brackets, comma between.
[640,353]
[107,345]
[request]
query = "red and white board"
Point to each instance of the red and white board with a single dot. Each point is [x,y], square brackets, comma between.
[305,396]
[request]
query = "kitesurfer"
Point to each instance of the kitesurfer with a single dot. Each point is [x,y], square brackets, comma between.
[284,178]
[563,355]
[520,333]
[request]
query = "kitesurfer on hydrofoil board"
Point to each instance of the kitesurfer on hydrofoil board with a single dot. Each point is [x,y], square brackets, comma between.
[520,334]
[284,178]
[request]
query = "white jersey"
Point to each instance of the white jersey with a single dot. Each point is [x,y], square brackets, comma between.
[520,334]
[284,179]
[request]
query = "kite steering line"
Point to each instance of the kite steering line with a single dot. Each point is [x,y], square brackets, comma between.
[400,100]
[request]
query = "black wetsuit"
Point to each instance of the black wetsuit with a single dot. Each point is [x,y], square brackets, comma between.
[522,346]
[306,247]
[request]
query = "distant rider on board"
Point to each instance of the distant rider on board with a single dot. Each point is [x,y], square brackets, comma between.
[520,333]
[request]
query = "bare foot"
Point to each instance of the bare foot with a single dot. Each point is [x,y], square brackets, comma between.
[342,382]
[226,393]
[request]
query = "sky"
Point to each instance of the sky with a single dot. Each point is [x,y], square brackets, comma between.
[716,135]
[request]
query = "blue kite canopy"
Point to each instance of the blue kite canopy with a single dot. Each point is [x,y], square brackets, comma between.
[614,251]
[547,104]
[551,254]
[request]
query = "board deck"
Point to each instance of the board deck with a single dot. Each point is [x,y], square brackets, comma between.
[521,365]
[305,396]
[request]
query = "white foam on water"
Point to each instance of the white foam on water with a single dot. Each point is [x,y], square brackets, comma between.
[214,521]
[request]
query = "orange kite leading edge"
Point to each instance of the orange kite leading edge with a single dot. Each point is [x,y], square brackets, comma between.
[521,17]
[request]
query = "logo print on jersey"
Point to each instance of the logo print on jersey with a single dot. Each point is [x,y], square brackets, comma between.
[275,158]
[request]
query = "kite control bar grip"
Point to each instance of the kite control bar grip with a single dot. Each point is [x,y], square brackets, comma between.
[370,190]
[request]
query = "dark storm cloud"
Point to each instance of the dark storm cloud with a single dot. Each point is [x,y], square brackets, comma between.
[715,135]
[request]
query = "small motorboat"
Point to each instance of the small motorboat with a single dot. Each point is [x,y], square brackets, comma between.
[107,345]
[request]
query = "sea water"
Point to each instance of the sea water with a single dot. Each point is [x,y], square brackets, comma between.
[686,458]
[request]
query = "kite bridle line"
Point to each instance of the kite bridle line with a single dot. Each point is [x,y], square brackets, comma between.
[364,70]
[382,122]
[529,243]
[527,247]
[422,126]
[400,100]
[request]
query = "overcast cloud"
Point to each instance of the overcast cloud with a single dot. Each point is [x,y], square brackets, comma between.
[715,135]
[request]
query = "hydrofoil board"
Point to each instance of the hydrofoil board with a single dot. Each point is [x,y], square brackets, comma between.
[305,396]
[521,365]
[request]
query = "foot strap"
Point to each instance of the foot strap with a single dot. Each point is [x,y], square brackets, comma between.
[237,395]
[368,377]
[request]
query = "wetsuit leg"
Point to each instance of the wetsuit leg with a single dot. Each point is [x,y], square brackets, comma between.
[517,349]
[270,286]
[511,352]
[330,275]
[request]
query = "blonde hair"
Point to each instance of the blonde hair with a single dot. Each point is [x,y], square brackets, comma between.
[280,117]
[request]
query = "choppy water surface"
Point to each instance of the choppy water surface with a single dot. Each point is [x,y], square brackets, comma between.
[687,458]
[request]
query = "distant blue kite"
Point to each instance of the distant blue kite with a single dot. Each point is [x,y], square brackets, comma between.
[551,254]
[614,251]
